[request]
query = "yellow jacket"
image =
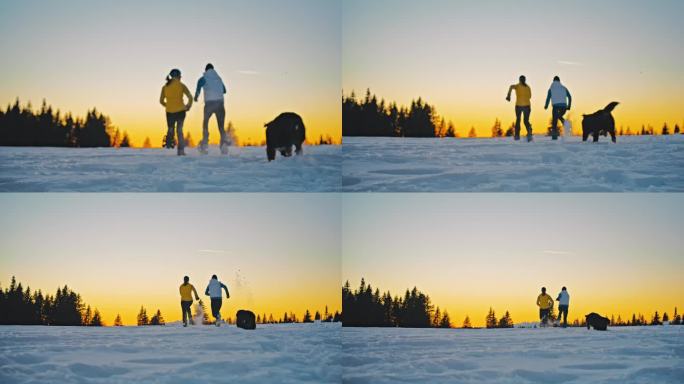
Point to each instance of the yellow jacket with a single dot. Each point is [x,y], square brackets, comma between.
[523,94]
[172,96]
[544,301]
[186,291]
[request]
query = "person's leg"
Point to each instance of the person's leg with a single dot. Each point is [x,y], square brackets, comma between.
[554,122]
[216,307]
[565,316]
[170,124]
[179,133]
[518,112]
[185,307]
[220,119]
[526,118]
[205,127]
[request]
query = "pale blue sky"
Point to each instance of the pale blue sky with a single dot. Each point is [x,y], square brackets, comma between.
[462,55]
[121,251]
[274,56]
[615,252]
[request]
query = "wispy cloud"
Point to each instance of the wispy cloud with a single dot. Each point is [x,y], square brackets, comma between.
[211,251]
[565,62]
[553,252]
[249,72]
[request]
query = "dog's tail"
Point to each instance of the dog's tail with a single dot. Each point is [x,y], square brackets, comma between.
[609,108]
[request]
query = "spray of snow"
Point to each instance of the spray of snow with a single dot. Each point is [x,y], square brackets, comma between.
[242,286]
[199,314]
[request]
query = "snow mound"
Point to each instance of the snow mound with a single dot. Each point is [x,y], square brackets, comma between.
[513,355]
[634,163]
[245,169]
[283,353]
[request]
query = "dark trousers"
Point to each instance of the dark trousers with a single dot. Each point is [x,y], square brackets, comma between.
[557,114]
[525,112]
[174,122]
[544,314]
[213,107]
[563,309]
[216,303]
[185,307]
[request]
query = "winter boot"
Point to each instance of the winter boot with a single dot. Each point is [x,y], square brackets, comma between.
[224,148]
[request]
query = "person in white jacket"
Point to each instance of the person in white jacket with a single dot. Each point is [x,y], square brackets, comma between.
[214,292]
[214,89]
[563,300]
[561,102]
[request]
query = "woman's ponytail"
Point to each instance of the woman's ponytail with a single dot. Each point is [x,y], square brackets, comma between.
[168,79]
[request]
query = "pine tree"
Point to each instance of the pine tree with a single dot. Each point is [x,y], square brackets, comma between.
[142,317]
[445,322]
[87,316]
[496,129]
[665,130]
[676,129]
[490,320]
[665,317]
[125,141]
[466,322]
[506,321]
[147,143]
[472,134]
[117,321]
[656,319]
[437,320]
[307,317]
[97,319]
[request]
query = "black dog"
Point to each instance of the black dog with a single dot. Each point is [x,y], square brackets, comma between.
[599,123]
[245,319]
[282,133]
[597,321]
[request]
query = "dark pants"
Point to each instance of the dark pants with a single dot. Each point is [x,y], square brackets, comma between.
[185,307]
[525,112]
[213,107]
[563,309]
[557,114]
[174,122]
[216,303]
[544,314]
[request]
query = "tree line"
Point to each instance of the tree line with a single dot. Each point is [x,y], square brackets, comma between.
[369,116]
[365,307]
[19,306]
[47,127]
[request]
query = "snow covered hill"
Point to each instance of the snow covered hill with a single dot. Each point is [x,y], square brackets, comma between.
[550,355]
[278,353]
[246,169]
[634,163]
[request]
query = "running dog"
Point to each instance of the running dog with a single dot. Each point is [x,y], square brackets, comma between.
[282,133]
[597,321]
[599,123]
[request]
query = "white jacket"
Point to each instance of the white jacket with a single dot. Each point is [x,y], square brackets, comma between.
[558,93]
[564,298]
[213,86]
[214,288]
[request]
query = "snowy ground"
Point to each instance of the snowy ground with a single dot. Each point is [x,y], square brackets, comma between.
[552,355]
[634,163]
[246,169]
[279,353]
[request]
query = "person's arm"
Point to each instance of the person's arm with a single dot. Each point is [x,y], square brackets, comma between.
[538,300]
[548,98]
[569,98]
[558,298]
[162,99]
[187,93]
[225,289]
[206,292]
[508,97]
[224,89]
[196,295]
[200,84]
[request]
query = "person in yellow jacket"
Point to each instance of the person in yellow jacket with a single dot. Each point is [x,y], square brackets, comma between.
[172,99]
[523,94]
[186,290]
[545,303]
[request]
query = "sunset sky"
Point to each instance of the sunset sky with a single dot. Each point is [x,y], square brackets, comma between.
[461,56]
[616,254]
[276,252]
[274,57]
